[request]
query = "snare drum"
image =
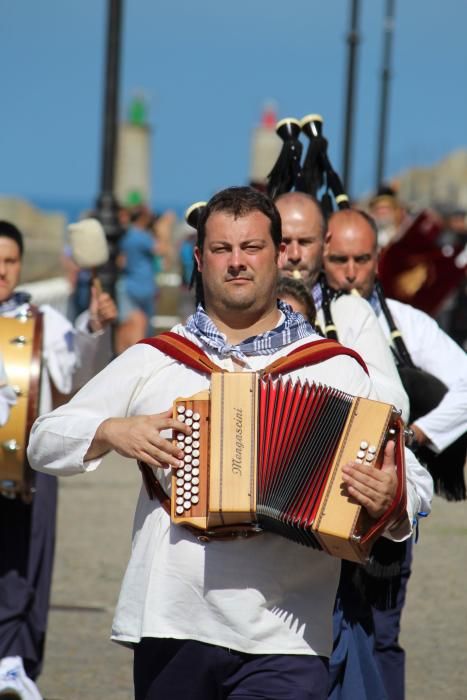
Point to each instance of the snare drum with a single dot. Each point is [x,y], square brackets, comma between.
[21,348]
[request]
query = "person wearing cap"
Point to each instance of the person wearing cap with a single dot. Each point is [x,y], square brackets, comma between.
[70,356]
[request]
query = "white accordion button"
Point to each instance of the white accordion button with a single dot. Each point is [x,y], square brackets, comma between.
[181,409]
[195,463]
[370,458]
[359,461]
[187,505]
[179,510]
[188,440]
[194,500]
[195,434]
[179,501]
[195,470]
[180,445]
[181,437]
[188,412]
[187,495]
[180,472]
[187,459]
[187,467]
[187,477]
[196,416]
[372,449]
[195,453]
[363,445]
[189,450]
[188,421]
[195,444]
[360,454]
[181,418]
[195,490]
[195,425]
[195,481]
[180,482]
[179,491]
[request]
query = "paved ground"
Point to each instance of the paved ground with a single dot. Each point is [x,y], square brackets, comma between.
[95,516]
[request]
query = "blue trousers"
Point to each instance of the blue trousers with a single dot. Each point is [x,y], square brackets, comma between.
[389,654]
[186,669]
[27,543]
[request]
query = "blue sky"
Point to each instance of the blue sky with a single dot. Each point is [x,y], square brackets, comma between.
[207,67]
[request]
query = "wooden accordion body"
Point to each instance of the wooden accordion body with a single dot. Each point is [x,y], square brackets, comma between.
[269,455]
[21,346]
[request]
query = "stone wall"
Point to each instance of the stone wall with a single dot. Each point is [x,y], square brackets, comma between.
[44,235]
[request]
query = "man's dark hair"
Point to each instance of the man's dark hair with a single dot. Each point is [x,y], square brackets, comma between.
[238,202]
[11,231]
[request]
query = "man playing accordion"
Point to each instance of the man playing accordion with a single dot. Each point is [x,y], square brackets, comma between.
[244,618]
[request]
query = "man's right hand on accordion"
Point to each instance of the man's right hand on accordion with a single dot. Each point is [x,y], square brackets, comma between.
[374,489]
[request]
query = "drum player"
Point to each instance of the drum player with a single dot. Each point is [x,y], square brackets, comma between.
[27,530]
[248,618]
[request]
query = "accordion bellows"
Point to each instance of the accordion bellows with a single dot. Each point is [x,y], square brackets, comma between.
[270,453]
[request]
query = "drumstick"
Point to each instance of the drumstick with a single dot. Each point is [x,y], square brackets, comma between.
[89,247]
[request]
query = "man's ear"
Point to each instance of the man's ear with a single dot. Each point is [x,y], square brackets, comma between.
[282,255]
[198,257]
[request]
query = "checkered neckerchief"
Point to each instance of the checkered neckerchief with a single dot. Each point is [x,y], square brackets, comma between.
[292,327]
[17,299]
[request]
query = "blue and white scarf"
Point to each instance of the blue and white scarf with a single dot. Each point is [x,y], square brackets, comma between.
[293,327]
[17,299]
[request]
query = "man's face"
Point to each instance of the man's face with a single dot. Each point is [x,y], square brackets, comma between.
[302,234]
[350,257]
[10,267]
[238,264]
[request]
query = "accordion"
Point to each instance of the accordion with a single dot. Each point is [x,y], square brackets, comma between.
[267,455]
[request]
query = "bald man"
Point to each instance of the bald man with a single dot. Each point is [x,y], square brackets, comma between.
[303,232]
[350,262]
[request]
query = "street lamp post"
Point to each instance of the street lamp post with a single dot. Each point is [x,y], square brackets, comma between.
[106,203]
[352,40]
[384,98]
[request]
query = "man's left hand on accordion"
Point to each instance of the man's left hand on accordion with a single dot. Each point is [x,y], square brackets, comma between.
[374,489]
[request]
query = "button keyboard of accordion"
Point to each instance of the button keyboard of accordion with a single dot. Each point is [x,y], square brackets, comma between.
[366,454]
[188,489]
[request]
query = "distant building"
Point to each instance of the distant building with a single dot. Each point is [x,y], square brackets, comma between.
[443,185]
[133,166]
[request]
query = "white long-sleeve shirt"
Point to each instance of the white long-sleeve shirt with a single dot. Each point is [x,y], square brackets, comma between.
[262,595]
[357,328]
[434,351]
